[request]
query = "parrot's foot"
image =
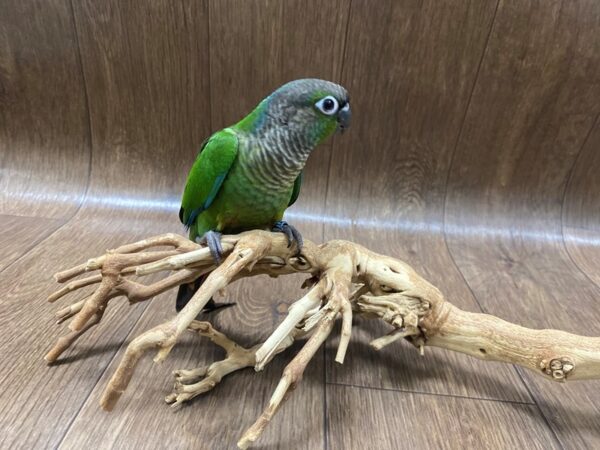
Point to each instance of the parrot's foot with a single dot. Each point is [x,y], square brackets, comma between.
[194,382]
[292,234]
[213,240]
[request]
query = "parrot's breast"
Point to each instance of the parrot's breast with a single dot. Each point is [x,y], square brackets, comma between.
[244,203]
[258,187]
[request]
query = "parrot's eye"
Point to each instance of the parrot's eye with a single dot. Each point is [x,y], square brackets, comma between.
[328,105]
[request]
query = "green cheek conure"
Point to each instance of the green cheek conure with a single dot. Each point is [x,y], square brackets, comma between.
[246,175]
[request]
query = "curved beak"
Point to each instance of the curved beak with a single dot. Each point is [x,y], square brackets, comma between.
[343,117]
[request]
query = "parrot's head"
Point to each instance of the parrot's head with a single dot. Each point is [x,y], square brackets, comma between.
[309,109]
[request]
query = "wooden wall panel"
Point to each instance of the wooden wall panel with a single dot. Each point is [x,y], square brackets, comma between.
[410,69]
[581,208]
[147,72]
[44,131]
[533,106]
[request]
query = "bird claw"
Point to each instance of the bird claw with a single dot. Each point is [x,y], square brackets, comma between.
[292,234]
[212,239]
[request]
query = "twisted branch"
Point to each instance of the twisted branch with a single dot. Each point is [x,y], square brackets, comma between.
[345,279]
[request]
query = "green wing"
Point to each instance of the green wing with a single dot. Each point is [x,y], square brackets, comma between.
[296,190]
[207,174]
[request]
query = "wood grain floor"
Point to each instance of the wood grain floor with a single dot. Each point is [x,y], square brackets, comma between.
[473,155]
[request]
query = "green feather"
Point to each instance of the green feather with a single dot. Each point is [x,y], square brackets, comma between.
[252,120]
[296,190]
[207,175]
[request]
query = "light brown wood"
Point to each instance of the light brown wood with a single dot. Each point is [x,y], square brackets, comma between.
[197,424]
[344,279]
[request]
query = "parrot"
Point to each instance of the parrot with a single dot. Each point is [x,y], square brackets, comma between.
[246,175]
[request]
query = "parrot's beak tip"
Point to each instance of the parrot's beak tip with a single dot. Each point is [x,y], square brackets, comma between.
[344,119]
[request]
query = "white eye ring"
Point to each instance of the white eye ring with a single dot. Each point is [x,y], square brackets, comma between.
[328,105]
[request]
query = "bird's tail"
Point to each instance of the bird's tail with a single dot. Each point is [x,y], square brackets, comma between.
[187,291]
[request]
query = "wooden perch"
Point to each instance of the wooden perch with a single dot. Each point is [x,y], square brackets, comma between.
[344,279]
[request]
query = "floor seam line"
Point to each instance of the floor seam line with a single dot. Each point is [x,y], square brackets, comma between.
[33,246]
[546,421]
[435,394]
[80,207]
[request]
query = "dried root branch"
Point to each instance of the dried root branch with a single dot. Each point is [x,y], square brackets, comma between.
[191,383]
[114,268]
[345,279]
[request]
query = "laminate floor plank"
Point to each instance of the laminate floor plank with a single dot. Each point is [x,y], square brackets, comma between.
[368,419]
[21,234]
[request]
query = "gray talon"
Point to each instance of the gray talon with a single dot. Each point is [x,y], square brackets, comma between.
[297,237]
[213,240]
[292,234]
